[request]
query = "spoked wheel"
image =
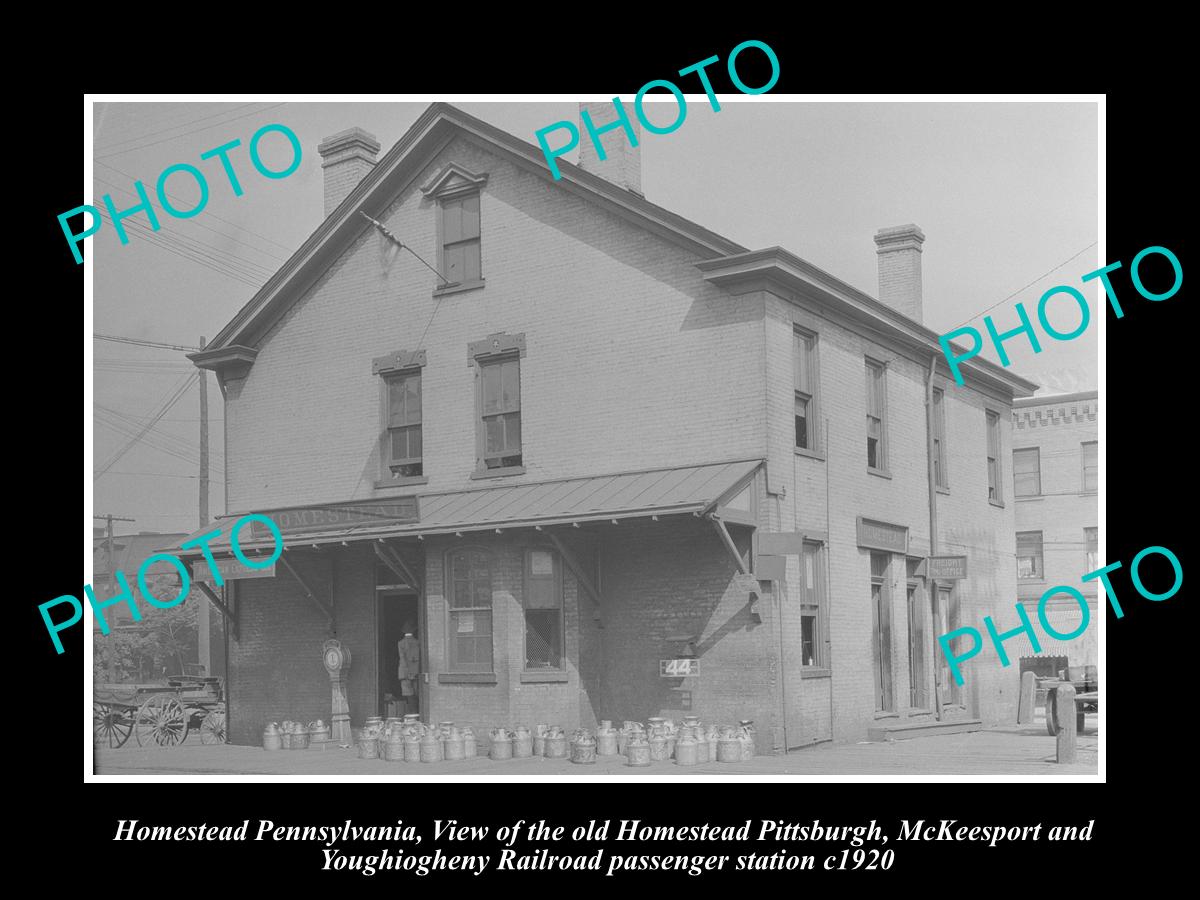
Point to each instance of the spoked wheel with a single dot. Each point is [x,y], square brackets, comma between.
[111,726]
[212,729]
[161,721]
[1052,712]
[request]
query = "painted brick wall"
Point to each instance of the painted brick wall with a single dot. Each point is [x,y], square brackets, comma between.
[623,338]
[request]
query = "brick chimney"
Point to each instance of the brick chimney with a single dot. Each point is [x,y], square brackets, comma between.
[347,157]
[899,250]
[623,163]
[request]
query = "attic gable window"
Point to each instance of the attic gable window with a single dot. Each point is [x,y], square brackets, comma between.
[401,439]
[456,192]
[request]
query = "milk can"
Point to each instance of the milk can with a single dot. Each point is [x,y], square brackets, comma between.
[444,729]
[693,721]
[623,734]
[412,745]
[701,744]
[583,748]
[299,736]
[556,743]
[318,733]
[747,731]
[713,736]
[638,750]
[468,739]
[452,744]
[729,748]
[431,746]
[658,746]
[393,748]
[502,745]
[686,753]
[412,719]
[522,743]
[285,734]
[271,738]
[653,724]
[368,743]
[671,733]
[539,739]
[606,739]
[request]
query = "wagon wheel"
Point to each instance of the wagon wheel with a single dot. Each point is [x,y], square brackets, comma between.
[212,729]
[1052,711]
[161,720]
[110,725]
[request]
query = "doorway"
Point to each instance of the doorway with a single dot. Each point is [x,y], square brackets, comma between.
[398,614]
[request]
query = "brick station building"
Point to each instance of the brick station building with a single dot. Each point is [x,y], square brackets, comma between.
[611,440]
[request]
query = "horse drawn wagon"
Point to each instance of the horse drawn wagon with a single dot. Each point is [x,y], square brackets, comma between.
[159,715]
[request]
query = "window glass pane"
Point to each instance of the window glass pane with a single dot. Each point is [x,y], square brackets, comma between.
[1090,467]
[470,216]
[452,221]
[494,434]
[471,268]
[801,422]
[808,639]
[879,564]
[454,260]
[412,398]
[395,388]
[802,352]
[511,384]
[543,639]
[873,452]
[1026,485]
[491,388]
[512,432]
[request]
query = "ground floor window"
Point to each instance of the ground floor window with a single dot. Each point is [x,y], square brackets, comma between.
[881,631]
[916,639]
[812,608]
[469,625]
[948,614]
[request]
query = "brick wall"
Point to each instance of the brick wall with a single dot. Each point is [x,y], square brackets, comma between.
[624,337]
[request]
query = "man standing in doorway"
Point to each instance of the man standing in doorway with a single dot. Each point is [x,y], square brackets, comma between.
[409,667]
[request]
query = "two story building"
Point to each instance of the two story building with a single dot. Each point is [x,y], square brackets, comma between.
[608,463]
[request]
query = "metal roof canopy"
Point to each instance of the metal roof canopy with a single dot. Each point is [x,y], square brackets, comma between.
[696,489]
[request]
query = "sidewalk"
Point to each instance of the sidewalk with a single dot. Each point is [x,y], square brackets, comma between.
[1022,750]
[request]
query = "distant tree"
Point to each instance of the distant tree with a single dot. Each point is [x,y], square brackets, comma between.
[164,638]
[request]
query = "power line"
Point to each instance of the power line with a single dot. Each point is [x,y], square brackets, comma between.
[128,340]
[182,124]
[194,377]
[1018,290]
[186,133]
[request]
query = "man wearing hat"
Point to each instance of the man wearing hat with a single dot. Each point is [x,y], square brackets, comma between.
[409,668]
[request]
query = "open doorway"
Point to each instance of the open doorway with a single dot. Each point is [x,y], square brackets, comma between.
[398,615]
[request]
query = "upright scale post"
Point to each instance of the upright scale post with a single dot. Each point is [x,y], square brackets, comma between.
[337,663]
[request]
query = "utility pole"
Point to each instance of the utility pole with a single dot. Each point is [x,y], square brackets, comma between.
[108,547]
[202,614]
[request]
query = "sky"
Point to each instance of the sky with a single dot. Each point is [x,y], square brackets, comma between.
[1005,193]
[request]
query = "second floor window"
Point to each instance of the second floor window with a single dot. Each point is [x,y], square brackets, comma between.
[500,411]
[993,457]
[1090,538]
[404,423]
[940,476]
[804,355]
[460,239]
[1027,472]
[1091,467]
[876,416]
[1029,555]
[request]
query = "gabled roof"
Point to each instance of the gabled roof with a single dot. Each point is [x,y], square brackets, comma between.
[724,260]
[432,131]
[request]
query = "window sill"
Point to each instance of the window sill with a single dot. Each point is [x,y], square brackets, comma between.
[943,490]
[1021,581]
[1088,493]
[999,504]
[498,473]
[815,672]
[811,454]
[1030,497]
[879,473]
[538,677]
[401,482]
[884,714]
[466,678]
[457,288]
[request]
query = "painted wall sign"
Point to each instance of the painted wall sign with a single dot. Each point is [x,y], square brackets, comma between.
[678,668]
[882,536]
[947,568]
[781,543]
[229,569]
[340,515]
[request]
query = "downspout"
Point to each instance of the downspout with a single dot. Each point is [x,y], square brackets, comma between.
[825,633]
[933,588]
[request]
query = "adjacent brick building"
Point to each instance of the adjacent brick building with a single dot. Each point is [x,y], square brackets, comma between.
[1056,477]
[611,439]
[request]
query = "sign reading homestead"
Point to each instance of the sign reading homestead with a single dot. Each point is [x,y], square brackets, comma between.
[338,515]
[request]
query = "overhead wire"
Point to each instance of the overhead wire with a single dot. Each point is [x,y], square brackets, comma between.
[182,124]
[162,411]
[186,133]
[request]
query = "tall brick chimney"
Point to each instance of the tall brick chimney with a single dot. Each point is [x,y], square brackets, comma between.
[623,163]
[347,157]
[899,250]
